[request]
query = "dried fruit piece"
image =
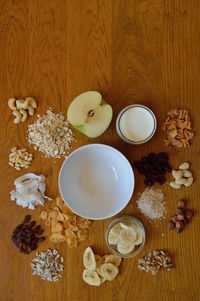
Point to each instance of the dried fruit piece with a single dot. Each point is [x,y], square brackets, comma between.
[125,248]
[89,259]
[43,215]
[113,238]
[57,237]
[128,235]
[116,260]
[139,238]
[56,227]
[109,271]
[82,235]
[116,229]
[91,277]
[71,238]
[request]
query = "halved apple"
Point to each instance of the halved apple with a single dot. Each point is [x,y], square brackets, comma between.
[90,114]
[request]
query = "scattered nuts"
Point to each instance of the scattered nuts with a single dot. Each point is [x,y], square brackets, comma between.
[183,216]
[20,106]
[177,174]
[189,182]
[178,128]
[184,165]
[11,103]
[32,102]
[183,176]
[20,158]
[187,173]
[154,261]
[181,204]
[175,185]
[24,115]
[18,116]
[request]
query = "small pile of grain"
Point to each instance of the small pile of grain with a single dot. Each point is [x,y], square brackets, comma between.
[51,135]
[151,203]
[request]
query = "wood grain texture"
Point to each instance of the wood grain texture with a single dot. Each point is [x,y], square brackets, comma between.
[133,51]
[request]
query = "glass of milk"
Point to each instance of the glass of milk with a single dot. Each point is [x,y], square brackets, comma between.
[136,124]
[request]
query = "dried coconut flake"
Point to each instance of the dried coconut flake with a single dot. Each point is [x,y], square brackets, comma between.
[51,135]
[151,203]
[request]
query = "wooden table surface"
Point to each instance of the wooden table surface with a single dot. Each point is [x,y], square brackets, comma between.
[132,51]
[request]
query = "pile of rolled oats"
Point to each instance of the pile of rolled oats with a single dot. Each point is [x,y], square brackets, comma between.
[47,265]
[51,134]
[178,128]
[154,261]
[20,158]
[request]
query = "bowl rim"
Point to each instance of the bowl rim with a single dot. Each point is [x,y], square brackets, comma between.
[124,138]
[91,145]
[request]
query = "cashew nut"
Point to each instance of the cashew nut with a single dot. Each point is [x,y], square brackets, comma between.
[18,116]
[30,110]
[32,102]
[11,103]
[21,104]
[24,115]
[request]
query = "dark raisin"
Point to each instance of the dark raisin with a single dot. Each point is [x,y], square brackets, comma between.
[40,232]
[149,182]
[35,240]
[180,210]
[41,238]
[144,160]
[19,227]
[163,156]
[167,167]
[152,157]
[161,180]
[28,249]
[31,225]
[33,246]
[27,219]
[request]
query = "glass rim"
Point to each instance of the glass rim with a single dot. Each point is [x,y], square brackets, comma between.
[121,135]
[132,219]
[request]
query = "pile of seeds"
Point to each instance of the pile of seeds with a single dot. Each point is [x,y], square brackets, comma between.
[154,261]
[151,203]
[154,167]
[20,158]
[25,237]
[65,225]
[182,217]
[47,265]
[182,176]
[51,135]
[178,128]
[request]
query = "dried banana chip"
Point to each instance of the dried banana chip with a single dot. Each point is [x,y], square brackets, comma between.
[116,260]
[43,215]
[57,237]
[82,235]
[109,271]
[60,217]
[56,227]
[59,201]
[89,259]
[91,277]
[52,214]
[71,238]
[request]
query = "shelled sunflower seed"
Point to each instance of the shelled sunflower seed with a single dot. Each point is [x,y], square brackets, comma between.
[154,261]
[20,158]
[47,265]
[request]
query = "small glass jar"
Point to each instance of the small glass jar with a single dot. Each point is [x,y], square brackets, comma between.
[142,125]
[130,220]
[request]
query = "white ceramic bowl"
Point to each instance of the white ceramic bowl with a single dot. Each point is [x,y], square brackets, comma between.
[96,181]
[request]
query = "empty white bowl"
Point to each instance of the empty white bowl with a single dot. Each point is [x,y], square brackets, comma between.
[96,181]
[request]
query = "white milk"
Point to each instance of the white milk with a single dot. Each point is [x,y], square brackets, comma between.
[136,124]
